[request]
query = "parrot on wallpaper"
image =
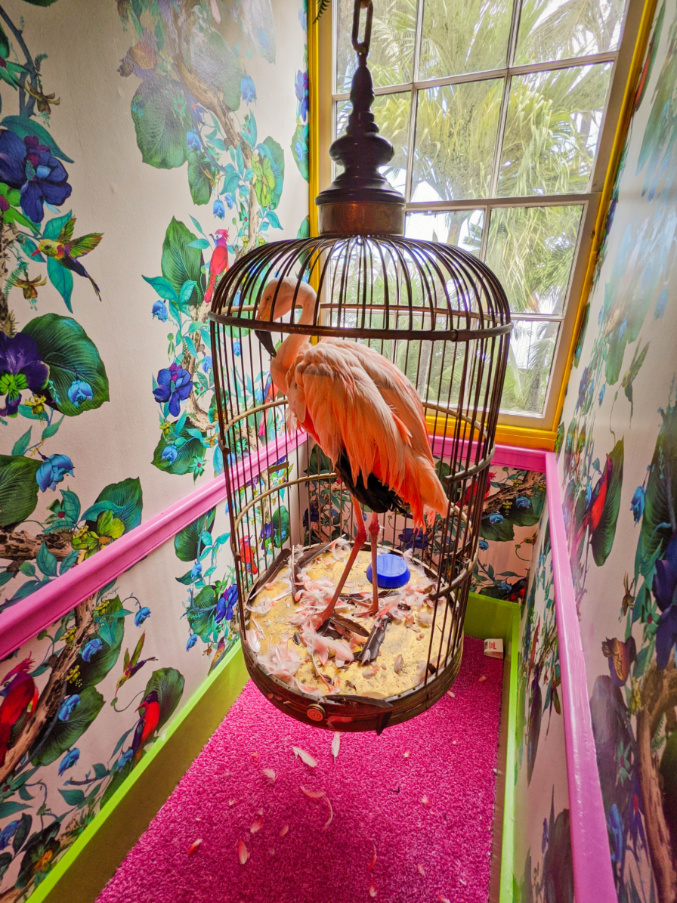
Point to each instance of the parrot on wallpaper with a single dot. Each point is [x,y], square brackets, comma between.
[132,663]
[595,505]
[65,249]
[20,698]
[149,717]
[219,262]
[248,556]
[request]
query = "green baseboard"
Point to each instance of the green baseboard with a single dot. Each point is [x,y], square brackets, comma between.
[494,618]
[83,871]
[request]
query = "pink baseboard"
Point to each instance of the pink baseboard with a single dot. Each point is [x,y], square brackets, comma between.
[45,606]
[593,877]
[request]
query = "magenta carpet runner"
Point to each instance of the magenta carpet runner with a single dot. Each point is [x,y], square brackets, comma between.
[400,818]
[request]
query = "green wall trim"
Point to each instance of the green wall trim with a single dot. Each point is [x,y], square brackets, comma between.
[82,872]
[493,618]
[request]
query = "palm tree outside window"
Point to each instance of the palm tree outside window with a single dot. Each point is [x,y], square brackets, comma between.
[502,114]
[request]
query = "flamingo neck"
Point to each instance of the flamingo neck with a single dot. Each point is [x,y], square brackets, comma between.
[290,348]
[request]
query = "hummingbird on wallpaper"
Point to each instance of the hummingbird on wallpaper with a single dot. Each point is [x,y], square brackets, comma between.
[621,655]
[20,698]
[65,250]
[219,262]
[594,507]
[132,663]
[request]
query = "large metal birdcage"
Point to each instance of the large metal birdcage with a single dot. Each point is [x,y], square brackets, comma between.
[441,318]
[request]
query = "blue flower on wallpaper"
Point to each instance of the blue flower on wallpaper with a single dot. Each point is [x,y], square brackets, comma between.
[207,363]
[522,502]
[193,140]
[484,545]
[301,88]
[219,208]
[601,393]
[8,833]
[174,386]
[69,760]
[141,615]
[80,391]
[637,503]
[664,588]
[230,200]
[20,368]
[68,706]
[248,89]
[226,604]
[413,539]
[170,454]
[125,759]
[192,640]
[615,825]
[91,648]
[237,348]
[160,310]
[196,571]
[52,471]
[495,518]
[29,166]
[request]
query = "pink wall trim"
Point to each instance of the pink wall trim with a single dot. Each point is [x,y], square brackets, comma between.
[45,606]
[505,455]
[593,877]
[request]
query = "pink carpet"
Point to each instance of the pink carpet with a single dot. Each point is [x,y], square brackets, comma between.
[421,795]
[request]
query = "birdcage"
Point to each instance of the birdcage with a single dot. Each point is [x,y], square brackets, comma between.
[388,345]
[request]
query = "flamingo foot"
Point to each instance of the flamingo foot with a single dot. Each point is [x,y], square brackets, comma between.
[374,530]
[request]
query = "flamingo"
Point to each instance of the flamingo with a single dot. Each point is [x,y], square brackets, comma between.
[364,414]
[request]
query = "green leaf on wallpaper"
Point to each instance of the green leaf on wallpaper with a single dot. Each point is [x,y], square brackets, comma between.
[181,262]
[123,501]
[168,684]
[62,735]
[52,428]
[70,355]
[18,489]
[118,778]
[280,521]
[62,280]
[660,500]
[22,831]
[213,61]
[503,531]
[200,614]
[101,662]
[24,127]
[22,443]
[10,808]
[46,561]
[299,149]
[183,462]
[269,171]
[73,797]
[248,131]
[162,118]
[186,540]
[304,228]
[4,44]
[162,286]
[199,181]
[602,538]
[186,579]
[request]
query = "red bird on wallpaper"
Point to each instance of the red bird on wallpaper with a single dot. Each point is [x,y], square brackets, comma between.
[149,717]
[20,698]
[247,555]
[219,262]
[594,506]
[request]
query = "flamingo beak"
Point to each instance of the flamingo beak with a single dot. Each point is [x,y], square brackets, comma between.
[266,340]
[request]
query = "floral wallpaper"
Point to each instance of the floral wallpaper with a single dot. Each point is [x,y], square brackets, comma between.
[190,89]
[618,465]
[542,857]
[138,160]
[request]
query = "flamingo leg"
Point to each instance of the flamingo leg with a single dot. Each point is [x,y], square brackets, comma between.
[374,529]
[360,539]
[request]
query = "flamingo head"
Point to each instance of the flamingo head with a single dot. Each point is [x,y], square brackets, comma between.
[277,299]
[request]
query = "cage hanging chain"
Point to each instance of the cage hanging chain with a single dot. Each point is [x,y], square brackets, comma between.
[361,48]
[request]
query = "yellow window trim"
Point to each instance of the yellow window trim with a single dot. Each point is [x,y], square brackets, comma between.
[320,43]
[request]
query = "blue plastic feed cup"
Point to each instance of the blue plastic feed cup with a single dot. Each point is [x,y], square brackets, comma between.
[391,571]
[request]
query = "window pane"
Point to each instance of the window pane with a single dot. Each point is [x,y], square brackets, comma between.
[456,128]
[391,52]
[563,29]
[462,228]
[392,118]
[552,130]
[464,36]
[532,347]
[531,250]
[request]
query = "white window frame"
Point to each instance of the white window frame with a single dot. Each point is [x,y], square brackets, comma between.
[620,59]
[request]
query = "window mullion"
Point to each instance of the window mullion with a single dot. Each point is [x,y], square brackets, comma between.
[505,101]
[413,106]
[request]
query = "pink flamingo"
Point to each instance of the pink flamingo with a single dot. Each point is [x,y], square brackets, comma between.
[364,414]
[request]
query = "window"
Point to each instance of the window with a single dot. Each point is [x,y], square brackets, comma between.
[502,115]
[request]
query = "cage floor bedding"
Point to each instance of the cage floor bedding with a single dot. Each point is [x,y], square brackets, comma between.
[400,818]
